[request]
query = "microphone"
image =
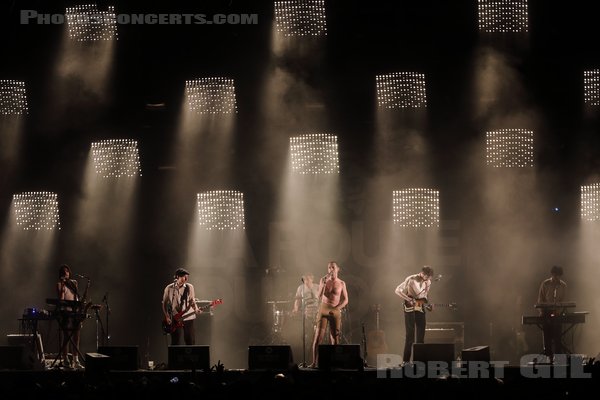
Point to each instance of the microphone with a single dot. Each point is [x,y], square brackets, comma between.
[81,276]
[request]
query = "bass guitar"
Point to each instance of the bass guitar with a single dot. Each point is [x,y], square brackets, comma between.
[421,305]
[177,319]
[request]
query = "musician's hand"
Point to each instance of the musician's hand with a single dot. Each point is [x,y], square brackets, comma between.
[168,319]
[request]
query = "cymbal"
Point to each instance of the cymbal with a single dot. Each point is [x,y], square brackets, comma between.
[278,301]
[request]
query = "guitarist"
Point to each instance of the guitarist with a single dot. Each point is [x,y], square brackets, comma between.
[414,291]
[178,300]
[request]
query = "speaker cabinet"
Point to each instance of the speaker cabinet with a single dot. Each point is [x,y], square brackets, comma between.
[426,352]
[340,356]
[270,357]
[12,357]
[194,357]
[122,358]
[96,364]
[31,352]
[478,353]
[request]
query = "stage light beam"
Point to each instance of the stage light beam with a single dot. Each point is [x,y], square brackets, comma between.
[13,97]
[314,154]
[503,16]
[591,87]
[115,158]
[509,148]
[590,202]
[213,95]
[401,90]
[88,24]
[301,18]
[221,210]
[416,208]
[36,211]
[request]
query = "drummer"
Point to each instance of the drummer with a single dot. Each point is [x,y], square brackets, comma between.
[309,292]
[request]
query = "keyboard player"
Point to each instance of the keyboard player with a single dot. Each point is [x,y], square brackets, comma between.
[552,290]
[70,325]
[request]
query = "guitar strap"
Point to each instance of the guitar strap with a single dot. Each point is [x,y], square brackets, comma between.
[184,298]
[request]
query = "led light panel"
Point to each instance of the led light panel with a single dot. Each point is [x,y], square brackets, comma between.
[221,210]
[314,154]
[88,24]
[591,87]
[416,208]
[509,148]
[401,90]
[115,158]
[503,16]
[301,18]
[590,202]
[36,211]
[13,98]
[214,95]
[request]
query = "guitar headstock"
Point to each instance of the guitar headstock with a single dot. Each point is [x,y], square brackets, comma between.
[453,306]
[216,302]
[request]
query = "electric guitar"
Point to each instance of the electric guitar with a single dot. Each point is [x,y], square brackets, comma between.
[177,319]
[421,305]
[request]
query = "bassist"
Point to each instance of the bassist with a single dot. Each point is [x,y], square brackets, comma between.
[179,299]
[414,291]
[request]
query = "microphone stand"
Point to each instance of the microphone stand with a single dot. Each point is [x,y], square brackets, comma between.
[303,311]
[105,300]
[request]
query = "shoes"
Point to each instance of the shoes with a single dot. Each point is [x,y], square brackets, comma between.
[77,365]
[65,365]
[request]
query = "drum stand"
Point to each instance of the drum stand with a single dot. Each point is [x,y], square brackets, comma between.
[276,336]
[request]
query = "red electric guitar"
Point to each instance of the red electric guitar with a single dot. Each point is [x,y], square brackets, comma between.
[177,319]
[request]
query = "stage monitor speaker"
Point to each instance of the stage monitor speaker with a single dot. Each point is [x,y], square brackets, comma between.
[278,357]
[340,356]
[477,353]
[12,357]
[33,350]
[96,364]
[122,358]
[426,352]
[194,357]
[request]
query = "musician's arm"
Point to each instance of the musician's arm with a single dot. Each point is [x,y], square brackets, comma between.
[400,292]
[165,301]
[541,298]
[192,298]
[60,290]
[298,299]
[344,298]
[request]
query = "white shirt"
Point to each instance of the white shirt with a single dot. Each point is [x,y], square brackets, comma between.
[411,288]
[172,296]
